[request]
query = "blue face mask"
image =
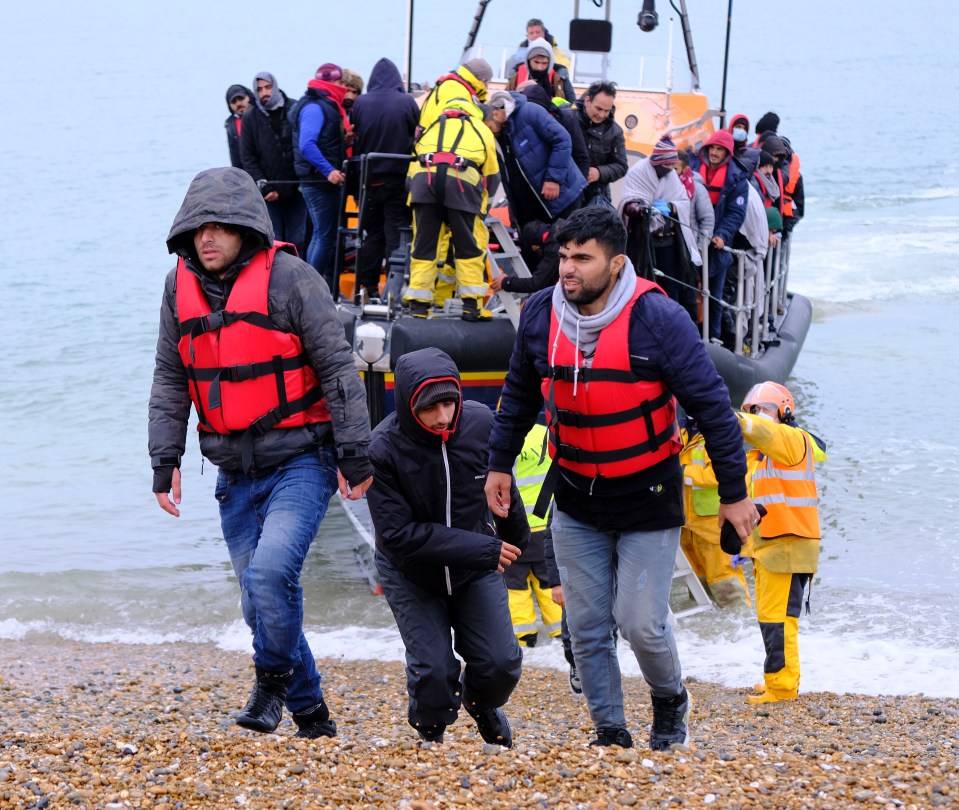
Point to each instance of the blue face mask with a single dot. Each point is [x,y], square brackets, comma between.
[739,135]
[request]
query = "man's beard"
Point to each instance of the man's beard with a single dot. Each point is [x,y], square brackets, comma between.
[586,294]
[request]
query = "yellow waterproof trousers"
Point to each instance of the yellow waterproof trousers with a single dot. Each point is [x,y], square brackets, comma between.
[469,238]
[779,600]
[725,584]
[522,608]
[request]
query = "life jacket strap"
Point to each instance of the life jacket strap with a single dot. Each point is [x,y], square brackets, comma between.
[269,420]
[222,318]
[643,410]
[588,374]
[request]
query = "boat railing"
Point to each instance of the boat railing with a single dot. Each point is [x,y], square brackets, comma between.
[760,301]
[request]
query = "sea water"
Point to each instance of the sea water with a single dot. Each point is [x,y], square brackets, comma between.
[112,108]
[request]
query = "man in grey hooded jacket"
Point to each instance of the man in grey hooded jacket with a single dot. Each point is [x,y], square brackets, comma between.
[250,337]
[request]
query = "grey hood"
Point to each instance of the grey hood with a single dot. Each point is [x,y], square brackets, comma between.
[225,195]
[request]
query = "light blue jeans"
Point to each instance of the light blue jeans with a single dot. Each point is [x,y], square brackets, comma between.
[269,521]
[610,580]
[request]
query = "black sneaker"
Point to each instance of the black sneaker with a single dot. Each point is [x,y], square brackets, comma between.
[264,709]
[612,736]
[493,725]
[575,684]
[315,723]
[670,722]
[432,734]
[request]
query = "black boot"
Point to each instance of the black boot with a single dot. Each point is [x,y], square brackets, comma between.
[315,722]
[492,724]
[264,709]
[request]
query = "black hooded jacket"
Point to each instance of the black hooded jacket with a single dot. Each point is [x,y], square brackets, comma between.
[427,499]
[266,148]
[232,137]
[384,120]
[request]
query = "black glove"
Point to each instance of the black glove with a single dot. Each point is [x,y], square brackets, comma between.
[729,540]
[163,478]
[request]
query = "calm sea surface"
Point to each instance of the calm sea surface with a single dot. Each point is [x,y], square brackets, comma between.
[111,110]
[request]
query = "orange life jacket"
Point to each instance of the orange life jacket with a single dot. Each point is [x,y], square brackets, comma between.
[789,189]
[603,420]
[789,495]
[522,75]
[719,179]
[245,373]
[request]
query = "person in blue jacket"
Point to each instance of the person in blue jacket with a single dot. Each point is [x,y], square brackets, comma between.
[728,185]
[610,354]
[319,126]
[541,179]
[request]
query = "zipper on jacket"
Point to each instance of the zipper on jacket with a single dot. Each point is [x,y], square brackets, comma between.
[449,512]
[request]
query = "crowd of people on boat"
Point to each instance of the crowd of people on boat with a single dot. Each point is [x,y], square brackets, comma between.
[468,515]
[550,151]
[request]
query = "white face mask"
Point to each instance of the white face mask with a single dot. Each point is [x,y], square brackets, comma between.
[739,135]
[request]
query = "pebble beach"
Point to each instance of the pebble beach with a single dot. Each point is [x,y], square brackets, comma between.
[143,726]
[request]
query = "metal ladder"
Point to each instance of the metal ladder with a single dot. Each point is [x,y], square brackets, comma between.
[683,570]
[507,260]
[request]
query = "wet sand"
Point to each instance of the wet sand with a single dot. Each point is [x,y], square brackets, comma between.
[117,726]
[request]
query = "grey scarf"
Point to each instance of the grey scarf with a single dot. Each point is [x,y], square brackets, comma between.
[274,100]
[584,330]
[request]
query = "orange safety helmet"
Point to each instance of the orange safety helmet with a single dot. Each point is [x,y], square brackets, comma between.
[772,394]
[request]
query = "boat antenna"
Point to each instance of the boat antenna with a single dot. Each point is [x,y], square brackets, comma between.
[409,46]
[722,99]
[474,28]
[688,38]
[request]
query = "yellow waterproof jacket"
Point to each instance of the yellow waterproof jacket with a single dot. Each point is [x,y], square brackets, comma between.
[530,472]
[461,83]
[700,488]
[781,474]
[459,130]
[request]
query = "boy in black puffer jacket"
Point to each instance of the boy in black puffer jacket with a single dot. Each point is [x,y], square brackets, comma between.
[438,555]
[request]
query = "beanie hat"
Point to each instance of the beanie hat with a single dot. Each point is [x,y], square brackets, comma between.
[765,159]
[739,118]
[774,219]
[328,72]
[768,123]
[663,152]
[503,100]
[479,68]
[438,391]
[774,145]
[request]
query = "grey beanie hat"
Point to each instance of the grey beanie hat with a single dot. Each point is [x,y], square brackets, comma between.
[480,68]
[433,392]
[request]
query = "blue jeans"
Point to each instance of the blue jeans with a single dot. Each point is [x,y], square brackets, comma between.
[323,203]
[269,521]
[610,580]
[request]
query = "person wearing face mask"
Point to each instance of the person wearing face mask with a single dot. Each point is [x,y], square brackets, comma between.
[655,206]
[781,459]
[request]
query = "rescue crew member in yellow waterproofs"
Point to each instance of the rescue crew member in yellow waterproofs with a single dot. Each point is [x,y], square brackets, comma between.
[527,579]
[699,538]
[785,546]
[454,155]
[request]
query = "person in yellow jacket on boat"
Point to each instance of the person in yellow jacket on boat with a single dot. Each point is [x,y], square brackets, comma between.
[469,80]
[699,538]
[784,547]
[455,154]
[527,579]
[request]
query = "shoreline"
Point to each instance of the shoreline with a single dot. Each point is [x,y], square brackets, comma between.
[114,725]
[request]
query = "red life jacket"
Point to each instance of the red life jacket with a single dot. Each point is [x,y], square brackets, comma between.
[245,373]
[767,200]
[603,420]
[719,179]
[522,74]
